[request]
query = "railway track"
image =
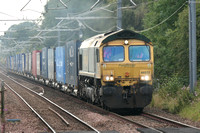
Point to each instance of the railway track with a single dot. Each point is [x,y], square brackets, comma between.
[169,123]
[52,115]
[147,122]
[156,124]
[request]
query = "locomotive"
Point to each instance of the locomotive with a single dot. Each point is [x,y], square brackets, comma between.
[114,70]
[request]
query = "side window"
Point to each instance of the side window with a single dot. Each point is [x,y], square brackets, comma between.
[80,62]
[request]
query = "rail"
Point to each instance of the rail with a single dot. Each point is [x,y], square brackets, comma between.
[72,115]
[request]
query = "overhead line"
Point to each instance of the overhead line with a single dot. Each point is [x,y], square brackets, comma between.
[19,19]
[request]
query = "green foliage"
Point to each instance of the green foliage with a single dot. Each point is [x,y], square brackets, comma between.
[19,33]
[171,39]
[170,87]
[173,95]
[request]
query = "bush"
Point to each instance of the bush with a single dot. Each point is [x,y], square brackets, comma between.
[172,96]
[170,86]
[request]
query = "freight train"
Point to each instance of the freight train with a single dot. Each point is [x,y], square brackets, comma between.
[114,70]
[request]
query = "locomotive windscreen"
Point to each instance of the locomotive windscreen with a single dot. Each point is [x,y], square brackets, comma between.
[139,53]
[113,53]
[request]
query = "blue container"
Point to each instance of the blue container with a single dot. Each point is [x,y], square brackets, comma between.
[17,62]
[71,58]
[20,63]
[26,62]
[14,63]
[8,60]
[23,62]
[60,64]
[45,62]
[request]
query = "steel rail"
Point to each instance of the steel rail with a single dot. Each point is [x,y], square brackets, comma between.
[137,123]
[169,120]
[83,122]
[40,117]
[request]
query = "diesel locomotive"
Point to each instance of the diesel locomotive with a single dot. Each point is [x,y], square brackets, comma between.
[114,69]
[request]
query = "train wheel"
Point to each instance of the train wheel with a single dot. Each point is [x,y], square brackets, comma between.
[103,105]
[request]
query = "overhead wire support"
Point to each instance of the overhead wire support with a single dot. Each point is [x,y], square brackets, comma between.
[94,5]
[51,30]
[25,5]
[83,18]
[63,3]
[192,46]
[133,2]
[19,19]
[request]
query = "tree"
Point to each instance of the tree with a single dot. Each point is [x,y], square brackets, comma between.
[162,35]
[17,34]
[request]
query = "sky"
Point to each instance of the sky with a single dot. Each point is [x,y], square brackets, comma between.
[10,10]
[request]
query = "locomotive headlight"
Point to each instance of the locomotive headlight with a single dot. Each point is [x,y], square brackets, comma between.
[107,78]
[111,78]
[126,42]
[145,78]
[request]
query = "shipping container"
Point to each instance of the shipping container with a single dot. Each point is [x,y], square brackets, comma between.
[12,62]
[30,63]
[71,63]
[9,62]
[26,62]
[23,62]
[17,62]
[34,62]
[38,68]
[20,63]
[60,64]
[51,63]
[45,63]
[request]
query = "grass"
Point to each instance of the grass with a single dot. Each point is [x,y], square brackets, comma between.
[175,98]
[191,111]
[172,105]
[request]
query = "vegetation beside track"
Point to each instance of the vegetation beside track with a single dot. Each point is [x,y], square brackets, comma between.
[174,97]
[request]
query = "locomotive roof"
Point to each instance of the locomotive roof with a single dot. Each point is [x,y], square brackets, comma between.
[125,34]
[97,40]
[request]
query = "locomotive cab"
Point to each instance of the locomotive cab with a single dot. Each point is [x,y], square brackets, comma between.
[127,73]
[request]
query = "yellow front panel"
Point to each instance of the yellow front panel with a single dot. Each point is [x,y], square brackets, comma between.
[127,73]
